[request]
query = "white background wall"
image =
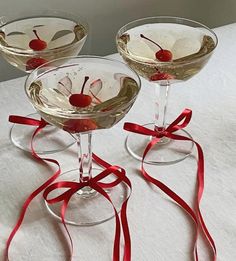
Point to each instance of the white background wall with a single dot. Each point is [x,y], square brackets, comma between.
[105,17]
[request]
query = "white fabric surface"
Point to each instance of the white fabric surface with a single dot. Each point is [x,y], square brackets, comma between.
[160,230]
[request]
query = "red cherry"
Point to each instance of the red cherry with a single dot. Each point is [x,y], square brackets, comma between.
[34,63]
[159,76]
[79,125]
[37,44]
[162,55]
[80,100]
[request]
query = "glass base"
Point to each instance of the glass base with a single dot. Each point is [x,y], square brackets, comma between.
[49,140]
[167,151]
[87,207]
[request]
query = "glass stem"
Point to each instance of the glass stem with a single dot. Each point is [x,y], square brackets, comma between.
[84,156]
[161,106]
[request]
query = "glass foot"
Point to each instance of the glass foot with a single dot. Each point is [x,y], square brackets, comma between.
[167,151]
[87,207]
[49,140]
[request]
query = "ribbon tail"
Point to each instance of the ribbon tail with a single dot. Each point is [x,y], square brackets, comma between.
[116,246]
[31,197]
[25,207]
[200,189]
[125,227]
[63,213]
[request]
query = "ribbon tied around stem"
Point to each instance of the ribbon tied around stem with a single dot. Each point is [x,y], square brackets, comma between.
[98,186]
[179,123]
[176,125]
[72,187]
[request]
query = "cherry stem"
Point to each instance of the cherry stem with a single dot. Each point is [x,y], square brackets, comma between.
[141,35]
[85,80]
[35,32]
[62,84]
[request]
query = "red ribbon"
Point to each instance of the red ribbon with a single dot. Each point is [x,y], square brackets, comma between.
[176,125]
[28,121]
[73,187]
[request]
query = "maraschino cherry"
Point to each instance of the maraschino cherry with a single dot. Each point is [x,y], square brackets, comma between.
[162,55]
[34,63]
[159,76]
[37,44]
[80,125]
[80,99]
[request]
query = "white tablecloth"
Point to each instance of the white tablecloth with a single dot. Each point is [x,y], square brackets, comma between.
[160,229]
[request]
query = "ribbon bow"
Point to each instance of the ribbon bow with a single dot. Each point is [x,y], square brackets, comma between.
[169,132]
[95,183]
[185,116]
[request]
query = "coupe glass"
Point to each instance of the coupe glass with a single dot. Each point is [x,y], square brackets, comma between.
[30,40]
[108,89]
[164,50]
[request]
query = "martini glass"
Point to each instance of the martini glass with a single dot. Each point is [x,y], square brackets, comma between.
[30,40]
[99,94]
[164,51]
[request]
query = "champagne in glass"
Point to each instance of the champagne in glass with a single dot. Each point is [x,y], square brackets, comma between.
[165,51]
[82,95]
[29,40]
